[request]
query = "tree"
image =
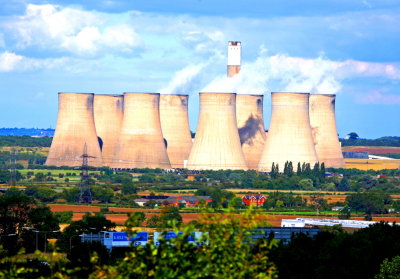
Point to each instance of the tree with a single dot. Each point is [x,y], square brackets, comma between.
[43,193]
[170,217]
[306,184]
[128,188]
[345,213]
[237,203]
[274,170]
[102,194]
[290,169]
[147,178]
[64,217]
[154,221]
[344,184]
[135,219]
[39,176]
[14,211]
[369,202]
[353,136]
[318,203]
[90,223]
[72,194]
[298,172]
[45,222]
[390,269]
[230,253]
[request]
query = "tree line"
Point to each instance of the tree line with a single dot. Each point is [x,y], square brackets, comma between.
[230,250]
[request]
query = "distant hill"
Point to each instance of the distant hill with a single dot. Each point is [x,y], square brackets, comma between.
[33,132]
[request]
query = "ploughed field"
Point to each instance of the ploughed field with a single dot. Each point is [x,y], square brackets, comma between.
[375,150]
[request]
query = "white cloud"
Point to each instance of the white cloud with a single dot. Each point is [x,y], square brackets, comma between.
[378,97]
[76,31]
[10,62]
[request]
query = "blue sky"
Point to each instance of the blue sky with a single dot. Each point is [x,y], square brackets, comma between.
[350,48]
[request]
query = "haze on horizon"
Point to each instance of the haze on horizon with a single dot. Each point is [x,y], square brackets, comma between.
[349,48]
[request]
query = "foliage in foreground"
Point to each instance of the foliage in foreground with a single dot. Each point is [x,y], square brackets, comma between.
[389,269]
[228,254]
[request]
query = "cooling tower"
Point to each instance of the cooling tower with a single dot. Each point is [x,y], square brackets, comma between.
[289,135]
[75,127]
[108,114]
[141,143]
[175,128]
[234,58]
[249,114]
[323,124]
[217,143]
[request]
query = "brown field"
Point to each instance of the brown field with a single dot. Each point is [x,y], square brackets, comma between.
[91,208]
[373,149]
[274,220]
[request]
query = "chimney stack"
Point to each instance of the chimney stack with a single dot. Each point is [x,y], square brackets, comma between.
[234,58]
[289,135]
[141,143]
[75,128]
[217,143]
[108,115]
[175,127]
[249,114]
[323,124]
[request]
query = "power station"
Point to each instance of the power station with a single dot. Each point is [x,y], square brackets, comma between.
[75,129]
[289,135]
[149,130]
[141,143]
[250,121]
[323,124]
[217,143]
[108,115]
[175,128]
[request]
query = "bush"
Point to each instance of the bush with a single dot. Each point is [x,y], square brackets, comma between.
[228,254]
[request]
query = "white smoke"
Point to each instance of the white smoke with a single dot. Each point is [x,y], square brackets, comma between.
[183,81]
[279,73]
[285,73]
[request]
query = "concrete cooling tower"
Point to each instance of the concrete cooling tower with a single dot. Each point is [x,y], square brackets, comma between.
[249,114]
[75,128]
[234,58]
[217,142]
[175,128]
[323,124]
[289,135]
[108,114]
[141,143]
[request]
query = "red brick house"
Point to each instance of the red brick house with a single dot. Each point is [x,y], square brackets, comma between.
[254,200]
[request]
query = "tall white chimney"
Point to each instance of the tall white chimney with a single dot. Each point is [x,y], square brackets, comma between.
[234,58]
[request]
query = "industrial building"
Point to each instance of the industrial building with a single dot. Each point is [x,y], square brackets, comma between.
[217,143]
[234,58]
[108,115]
[289,135]
[250,121]
[75,129]
[175,128]
[141,143]
[323,125]
[149,130]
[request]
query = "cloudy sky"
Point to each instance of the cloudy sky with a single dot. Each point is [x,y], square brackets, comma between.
[349,48]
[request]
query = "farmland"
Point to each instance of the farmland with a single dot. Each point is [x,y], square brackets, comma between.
[375,150]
